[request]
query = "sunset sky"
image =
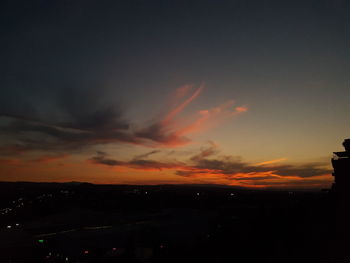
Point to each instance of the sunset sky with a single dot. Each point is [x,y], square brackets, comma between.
[245,92]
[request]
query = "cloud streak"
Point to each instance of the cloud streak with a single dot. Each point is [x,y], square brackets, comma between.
[135,163]
[182,106]
[271,162]
[167,133]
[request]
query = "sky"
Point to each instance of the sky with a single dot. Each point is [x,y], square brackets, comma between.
[245,93]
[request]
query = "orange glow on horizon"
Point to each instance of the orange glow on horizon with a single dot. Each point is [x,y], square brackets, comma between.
[216,176]
[131,174]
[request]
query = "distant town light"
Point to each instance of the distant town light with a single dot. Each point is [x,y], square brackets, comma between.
[41,241]
[66,259]
[9,226]
[86,252]
[114,249]
[145,192]
[232,194]
[197,193]
[17,224]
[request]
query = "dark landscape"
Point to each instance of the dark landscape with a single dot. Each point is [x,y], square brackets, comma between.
[81,222]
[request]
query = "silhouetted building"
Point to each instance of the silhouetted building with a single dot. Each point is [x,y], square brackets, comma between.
[341,165]
[341,191]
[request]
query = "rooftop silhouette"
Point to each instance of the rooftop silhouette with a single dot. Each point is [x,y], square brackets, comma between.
[340,189]
[341,165]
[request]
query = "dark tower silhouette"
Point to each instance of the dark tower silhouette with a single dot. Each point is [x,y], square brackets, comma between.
[341,165]
[341,191]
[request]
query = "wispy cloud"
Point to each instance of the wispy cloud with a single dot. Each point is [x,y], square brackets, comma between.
[135,163]
[271,161]
[205,152]
[170,116]
[147,154]
[211,118]
[182,92]
[168,133]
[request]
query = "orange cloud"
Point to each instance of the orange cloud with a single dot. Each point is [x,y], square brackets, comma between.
[168,133]
[271,162]
[241,109]
[210,118]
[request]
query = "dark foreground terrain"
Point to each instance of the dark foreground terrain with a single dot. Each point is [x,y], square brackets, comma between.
[75,222]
